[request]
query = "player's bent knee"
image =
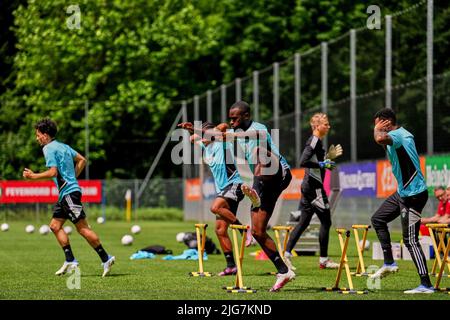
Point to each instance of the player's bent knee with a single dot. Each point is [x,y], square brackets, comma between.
[259,234]
[215,209]
[55,227]
[377,223]
[221,230]
[85,232]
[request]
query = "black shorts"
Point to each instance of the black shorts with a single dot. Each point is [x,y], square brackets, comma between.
[70,207]
[233,195]
[270,189]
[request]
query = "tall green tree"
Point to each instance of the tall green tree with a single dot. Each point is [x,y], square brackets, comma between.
[124,59]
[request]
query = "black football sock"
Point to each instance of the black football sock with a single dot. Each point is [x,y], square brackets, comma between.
[230,259]
[425,280]
[68,252]
[278,262]
[101,253]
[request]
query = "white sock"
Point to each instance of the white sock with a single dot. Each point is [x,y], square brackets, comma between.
[323,259]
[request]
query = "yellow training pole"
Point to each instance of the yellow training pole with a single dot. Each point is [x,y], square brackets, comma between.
[343,263]
[360,268]
[239,252]
[437,247]
[287,229]
[201,240]
[128,205]
[344,254]
[444,261]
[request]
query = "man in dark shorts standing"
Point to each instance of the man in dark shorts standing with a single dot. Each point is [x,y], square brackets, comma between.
[408,201]
[60,160]
[271,176]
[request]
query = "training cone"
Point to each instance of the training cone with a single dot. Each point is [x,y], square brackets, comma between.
[261,255]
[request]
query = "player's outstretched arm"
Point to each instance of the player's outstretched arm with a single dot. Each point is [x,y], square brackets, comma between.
[195,138]
[249,134]
[50,173]
[187,126]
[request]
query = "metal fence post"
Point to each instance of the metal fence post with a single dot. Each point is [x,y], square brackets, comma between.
[202,198]
[223,102]
[238,89]
[430,138]
[256,95]
[186,144]
[388,61]
[136,199]
[196,118]
[276,95]
[86,138]
[209,106]
[324,48]
[186,155]
[353,141]
[298,110]
[196,108]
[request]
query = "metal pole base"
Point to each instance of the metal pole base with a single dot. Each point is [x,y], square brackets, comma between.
[200,274]
[364,274]
[354,292]
[241,290]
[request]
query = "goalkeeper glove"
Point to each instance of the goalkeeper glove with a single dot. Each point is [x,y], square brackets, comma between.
[334,152]
[327,164]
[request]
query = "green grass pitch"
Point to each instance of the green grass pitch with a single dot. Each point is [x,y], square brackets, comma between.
[28,263]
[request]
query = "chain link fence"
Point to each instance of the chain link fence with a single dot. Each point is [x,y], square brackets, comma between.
[407,69]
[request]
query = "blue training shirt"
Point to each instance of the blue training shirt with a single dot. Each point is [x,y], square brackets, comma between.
[249,146]
[405,163]
[61,156]
[216,155]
